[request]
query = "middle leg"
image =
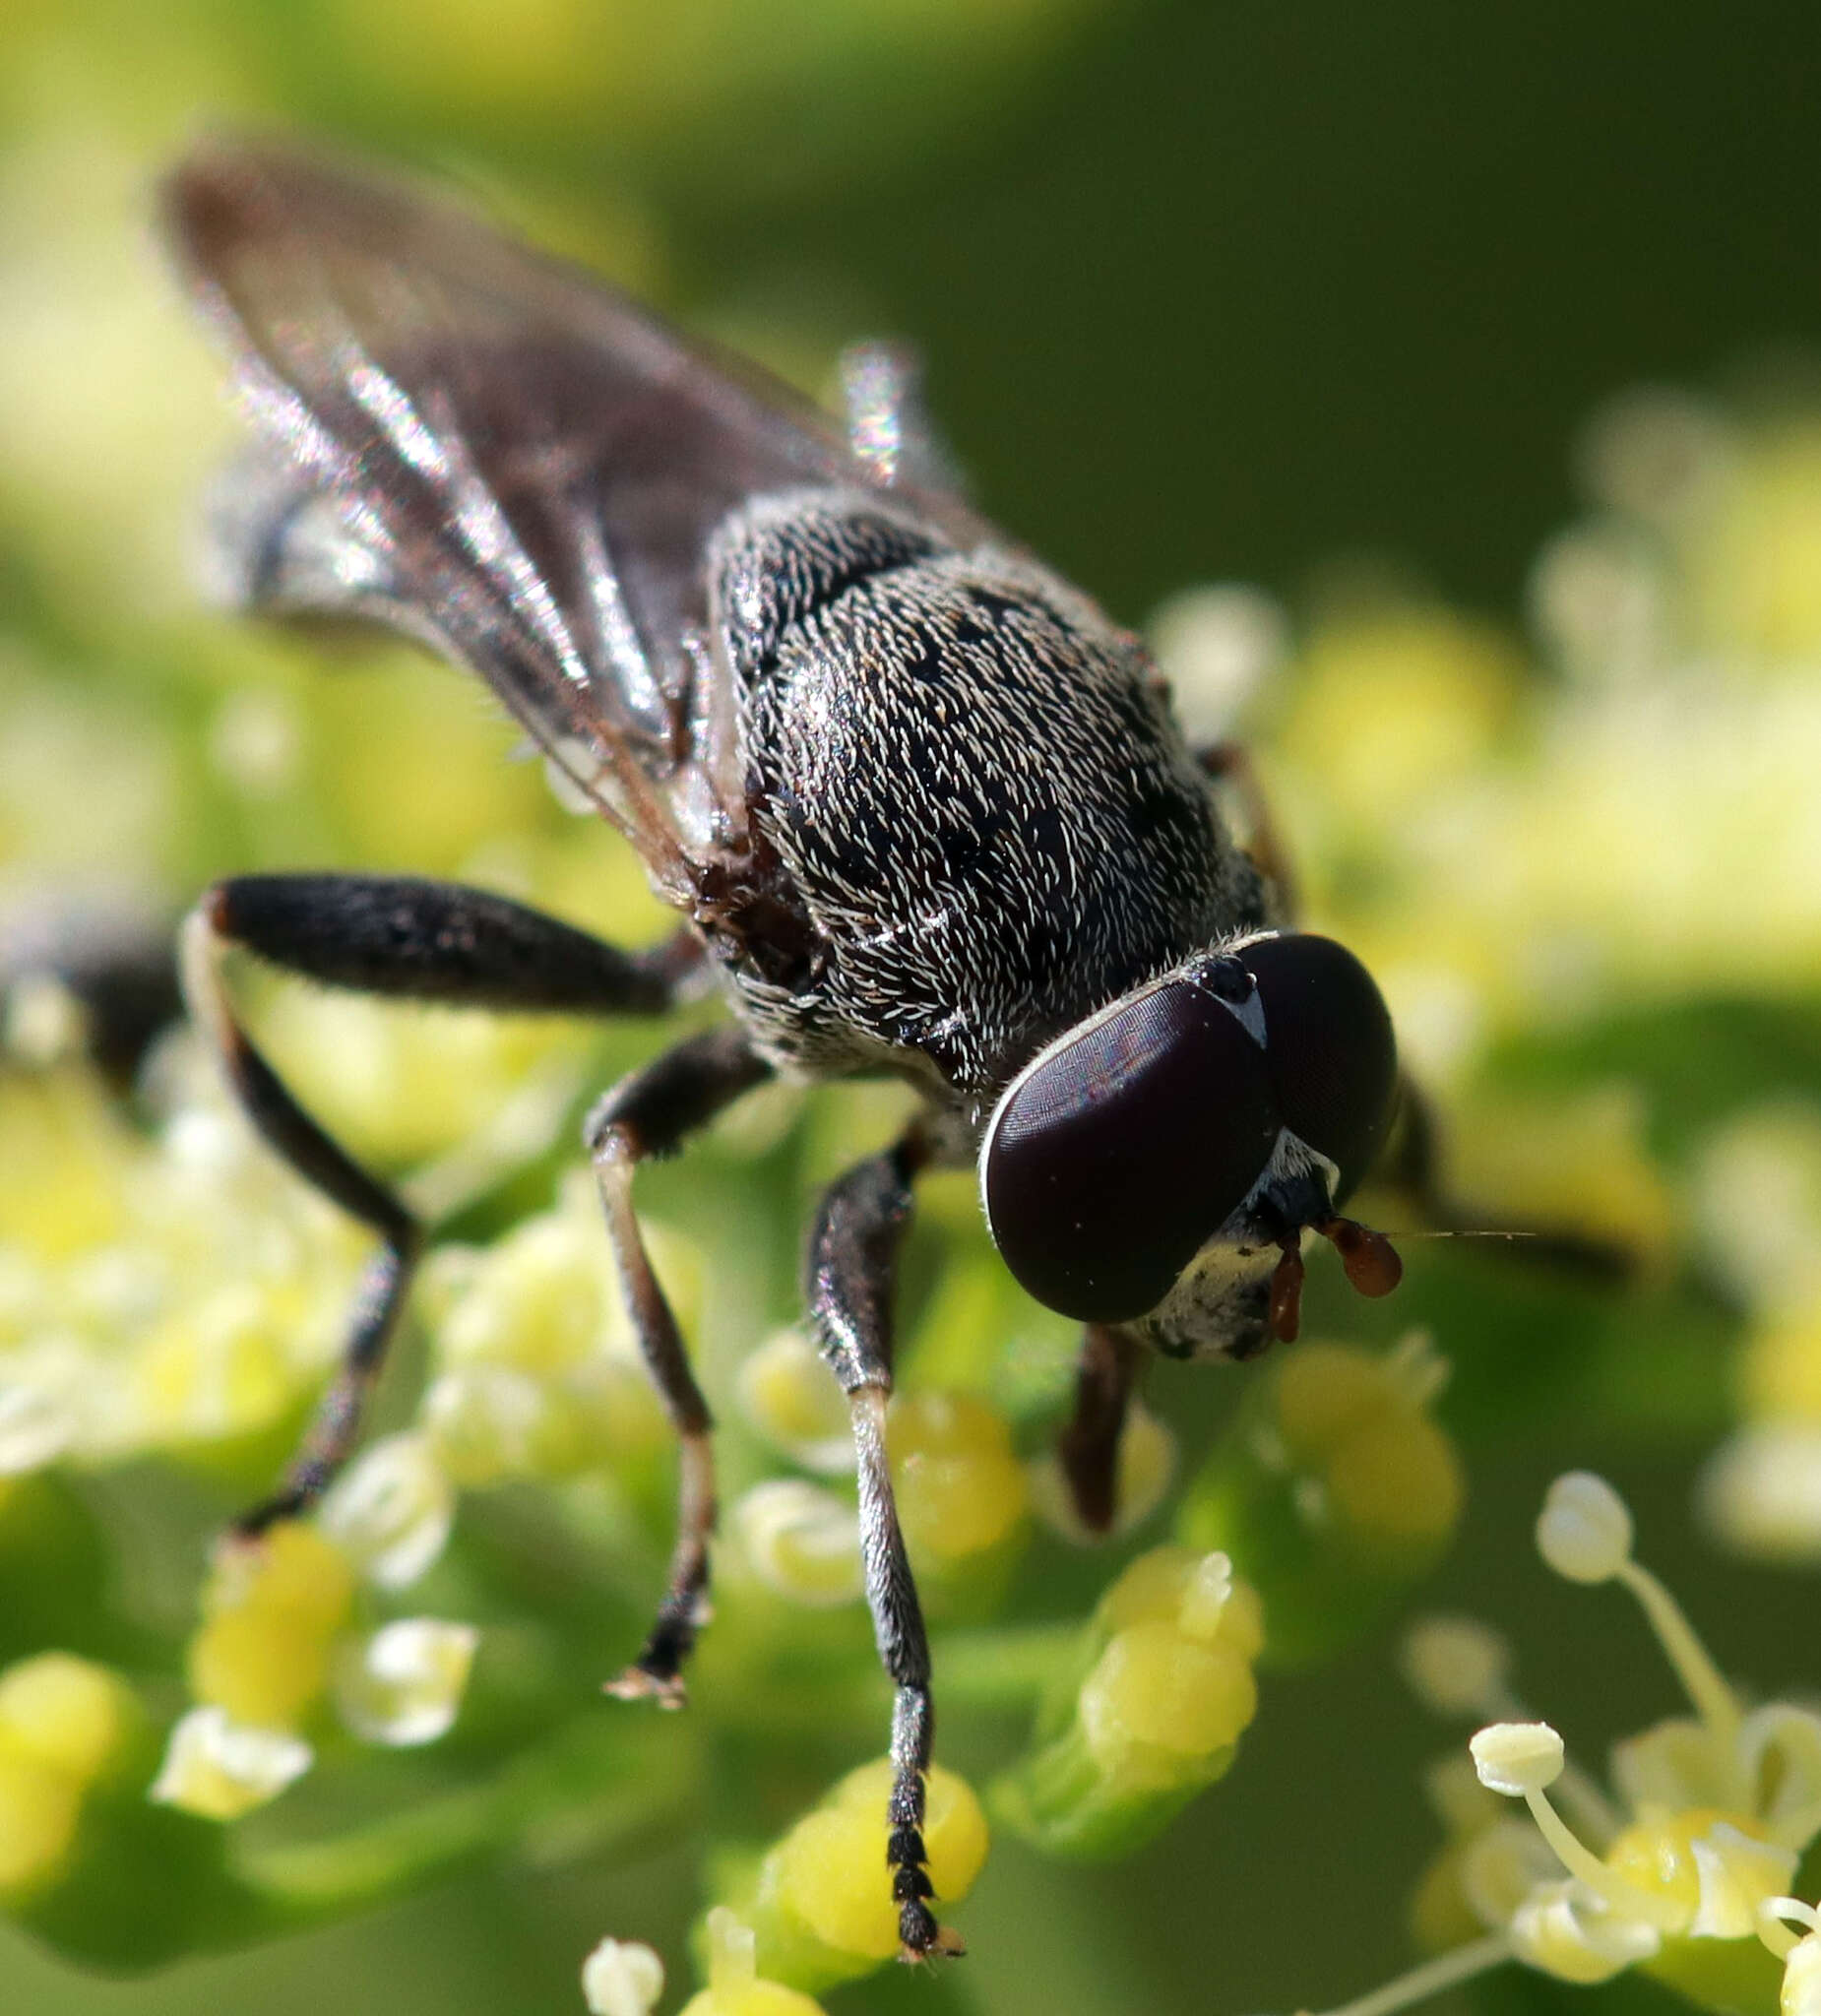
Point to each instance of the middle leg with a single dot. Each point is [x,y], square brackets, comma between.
[852,1270]
[648,1114]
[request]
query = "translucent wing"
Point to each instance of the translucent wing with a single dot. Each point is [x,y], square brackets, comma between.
[500,455]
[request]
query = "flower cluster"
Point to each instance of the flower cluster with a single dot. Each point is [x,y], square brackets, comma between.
[1683,1870]
[1583,871]
[1337,1488]
[1758,1206]
[1148,1710]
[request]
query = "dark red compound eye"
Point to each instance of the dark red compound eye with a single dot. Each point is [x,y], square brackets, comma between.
[1121,1152]
[1331,1052]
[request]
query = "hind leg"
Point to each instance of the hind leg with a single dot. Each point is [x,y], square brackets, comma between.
[412,940]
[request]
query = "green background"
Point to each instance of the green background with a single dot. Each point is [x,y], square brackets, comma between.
[1204,291]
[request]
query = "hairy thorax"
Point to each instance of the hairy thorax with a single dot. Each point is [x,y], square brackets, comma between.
[963,784]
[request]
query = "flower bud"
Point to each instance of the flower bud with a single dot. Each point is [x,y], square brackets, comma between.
[1336,1490]
[86,1862]
[821,1908]
[66,1724]
[735,1988]
[271,1614]
[68,1714]
[962,1494]
[622,1979]
[1584,1531]
[1148,1713]
[39,1806]
[404,1687]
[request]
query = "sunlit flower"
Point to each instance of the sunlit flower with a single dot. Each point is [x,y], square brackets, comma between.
[1145,1712]
[1681,1870]
[1337,1488]
[735,1988]
[1758,1204]
[817,1912]
[621,1978]
[218,1769]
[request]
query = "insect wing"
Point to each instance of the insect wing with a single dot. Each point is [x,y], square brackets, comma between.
[500,455]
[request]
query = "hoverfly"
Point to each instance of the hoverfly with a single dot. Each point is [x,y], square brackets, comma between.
[922,809]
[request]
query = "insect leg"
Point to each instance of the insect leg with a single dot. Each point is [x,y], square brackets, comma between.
[427,941]
[1412,1165]
[648,1114]
[852,1265]
[1232,763]
[1088,1449]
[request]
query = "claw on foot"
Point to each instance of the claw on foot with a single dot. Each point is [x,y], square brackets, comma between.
[937,1942]
[637,1684]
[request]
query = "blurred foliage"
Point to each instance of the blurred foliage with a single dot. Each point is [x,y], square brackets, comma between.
[1581,848]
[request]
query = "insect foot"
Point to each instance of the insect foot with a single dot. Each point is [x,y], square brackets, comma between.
[815,1907]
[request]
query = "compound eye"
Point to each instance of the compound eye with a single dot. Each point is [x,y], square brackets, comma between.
[1332,1057]
[1116,1155]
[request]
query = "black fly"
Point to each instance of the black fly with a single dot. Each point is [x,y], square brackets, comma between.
[922,809]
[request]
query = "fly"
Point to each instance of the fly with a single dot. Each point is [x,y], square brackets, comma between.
[924,810]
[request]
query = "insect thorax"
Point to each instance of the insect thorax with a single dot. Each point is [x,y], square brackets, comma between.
[975,802]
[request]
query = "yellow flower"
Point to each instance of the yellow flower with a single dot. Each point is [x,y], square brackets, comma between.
[821,1909]
[1149,1712]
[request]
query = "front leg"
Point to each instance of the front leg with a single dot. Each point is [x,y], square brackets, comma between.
[853,1269]
[1088,1448]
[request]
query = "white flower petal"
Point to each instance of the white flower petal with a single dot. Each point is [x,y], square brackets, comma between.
[37,1426]
[1564,1929]
[1502,1866]
[1802,1978]
[1761,1490]
[1780,1746]
[404,1687]
[392,1511]
[622,1978]
[1672,1766]
[1736,1874]
[801,1541]
[218,1769]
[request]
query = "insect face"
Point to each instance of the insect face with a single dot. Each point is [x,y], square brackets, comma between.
[1156,1166]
